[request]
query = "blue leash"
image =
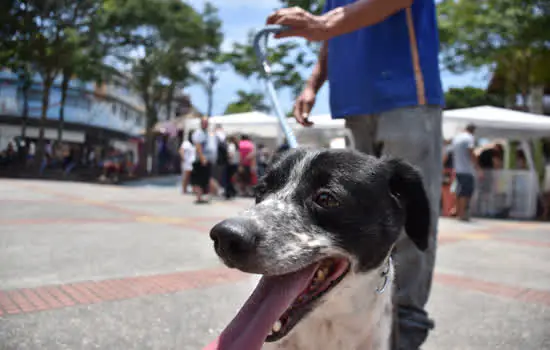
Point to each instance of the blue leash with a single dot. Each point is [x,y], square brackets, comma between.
[266,70]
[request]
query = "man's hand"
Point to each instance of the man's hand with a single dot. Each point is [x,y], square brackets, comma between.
[302,24]
[203,161]
[303,105]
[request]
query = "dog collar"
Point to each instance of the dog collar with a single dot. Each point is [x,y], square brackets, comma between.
[386,277]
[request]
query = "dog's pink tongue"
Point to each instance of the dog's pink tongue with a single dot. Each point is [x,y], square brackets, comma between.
[270,299]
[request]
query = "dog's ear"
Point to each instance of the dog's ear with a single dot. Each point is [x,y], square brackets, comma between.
[407,189]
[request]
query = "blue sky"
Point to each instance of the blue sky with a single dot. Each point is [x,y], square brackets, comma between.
[240,16]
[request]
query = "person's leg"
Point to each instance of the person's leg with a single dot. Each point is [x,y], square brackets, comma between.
[183,180]
[414,134]
[229,186]
[196,180]
[206,179]
[464,193]
[364,129]
[470,185]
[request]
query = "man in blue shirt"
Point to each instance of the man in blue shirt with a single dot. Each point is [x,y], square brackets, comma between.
[381,60]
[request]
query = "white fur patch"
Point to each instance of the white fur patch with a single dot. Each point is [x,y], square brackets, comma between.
[352,317]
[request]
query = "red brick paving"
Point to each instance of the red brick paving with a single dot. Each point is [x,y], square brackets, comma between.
[28,300]
[46,221]
[7,305]
[495,289]
[522,241]
[84,293]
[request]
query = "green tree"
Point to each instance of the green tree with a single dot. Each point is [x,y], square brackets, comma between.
[285,60]
[169,35]
[39,36]
[247,102]
[83,48]
[509,35]
[471,97]
[212,53]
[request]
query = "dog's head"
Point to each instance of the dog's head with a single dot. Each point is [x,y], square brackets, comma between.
[320,215]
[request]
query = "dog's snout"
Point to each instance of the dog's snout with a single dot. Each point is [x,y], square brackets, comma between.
[234,241]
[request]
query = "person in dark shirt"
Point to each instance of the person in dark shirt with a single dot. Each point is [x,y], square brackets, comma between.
[489,156]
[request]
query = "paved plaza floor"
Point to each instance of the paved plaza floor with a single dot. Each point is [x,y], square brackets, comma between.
[87,266]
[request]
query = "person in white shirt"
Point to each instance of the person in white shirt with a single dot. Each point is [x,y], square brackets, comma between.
[466,166]
[205,157]
[187,154]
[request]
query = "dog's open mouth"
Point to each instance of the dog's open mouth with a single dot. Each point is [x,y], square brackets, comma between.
[278,303]
[329,272]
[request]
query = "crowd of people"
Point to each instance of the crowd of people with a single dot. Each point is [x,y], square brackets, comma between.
[216,164]
[105,163]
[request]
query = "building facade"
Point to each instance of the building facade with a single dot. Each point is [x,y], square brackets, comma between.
[109,111]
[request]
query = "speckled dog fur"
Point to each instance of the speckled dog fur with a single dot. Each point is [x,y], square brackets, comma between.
[377,199]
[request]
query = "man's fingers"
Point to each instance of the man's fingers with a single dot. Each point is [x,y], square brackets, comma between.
[272,18]
[305,113]
[301,113]
[297,112]
[295,32]
[275,16]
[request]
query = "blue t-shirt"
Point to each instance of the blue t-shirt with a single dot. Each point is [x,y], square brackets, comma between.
[385,66]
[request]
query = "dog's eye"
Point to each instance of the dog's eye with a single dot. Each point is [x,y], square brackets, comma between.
[326,200]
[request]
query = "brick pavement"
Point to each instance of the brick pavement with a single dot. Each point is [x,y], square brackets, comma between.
[134,206]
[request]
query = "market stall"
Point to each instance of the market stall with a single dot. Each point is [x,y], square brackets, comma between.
[513,192]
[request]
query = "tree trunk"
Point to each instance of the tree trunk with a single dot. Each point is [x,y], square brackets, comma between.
[150,155]
[47,84]
[210,96]
[64,88]
[536,104]
[169,101]
[212,80]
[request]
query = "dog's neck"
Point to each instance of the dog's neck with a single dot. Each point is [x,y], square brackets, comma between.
[357,315]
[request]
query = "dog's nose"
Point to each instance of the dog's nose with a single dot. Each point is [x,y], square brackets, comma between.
[234,240]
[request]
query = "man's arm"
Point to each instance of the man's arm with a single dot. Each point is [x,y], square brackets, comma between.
[319,73]
[361,14]
[181,151]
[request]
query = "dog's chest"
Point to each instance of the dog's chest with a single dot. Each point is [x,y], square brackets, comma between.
[351,319]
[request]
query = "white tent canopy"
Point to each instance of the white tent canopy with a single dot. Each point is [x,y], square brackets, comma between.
[266,126]
[494,122]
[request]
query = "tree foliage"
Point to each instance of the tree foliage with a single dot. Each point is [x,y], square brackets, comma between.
[471,97]
[509,35]
[151,42]
[247,102]
[42,37]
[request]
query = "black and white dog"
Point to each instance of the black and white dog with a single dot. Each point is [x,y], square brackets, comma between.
[321,234]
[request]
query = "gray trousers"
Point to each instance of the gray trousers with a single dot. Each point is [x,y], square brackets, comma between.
[413,134]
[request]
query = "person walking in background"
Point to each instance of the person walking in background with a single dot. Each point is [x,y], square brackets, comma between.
[202,167]
[247,154]
[233,159]
[490,158]
[221,158]
[466,166]
[212,145]
[188,154]
[381,60]
[262,159]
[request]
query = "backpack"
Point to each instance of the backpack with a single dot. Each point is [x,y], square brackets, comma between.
[223,158]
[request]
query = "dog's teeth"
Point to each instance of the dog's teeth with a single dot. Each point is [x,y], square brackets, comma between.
[277,326]
[320,275]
